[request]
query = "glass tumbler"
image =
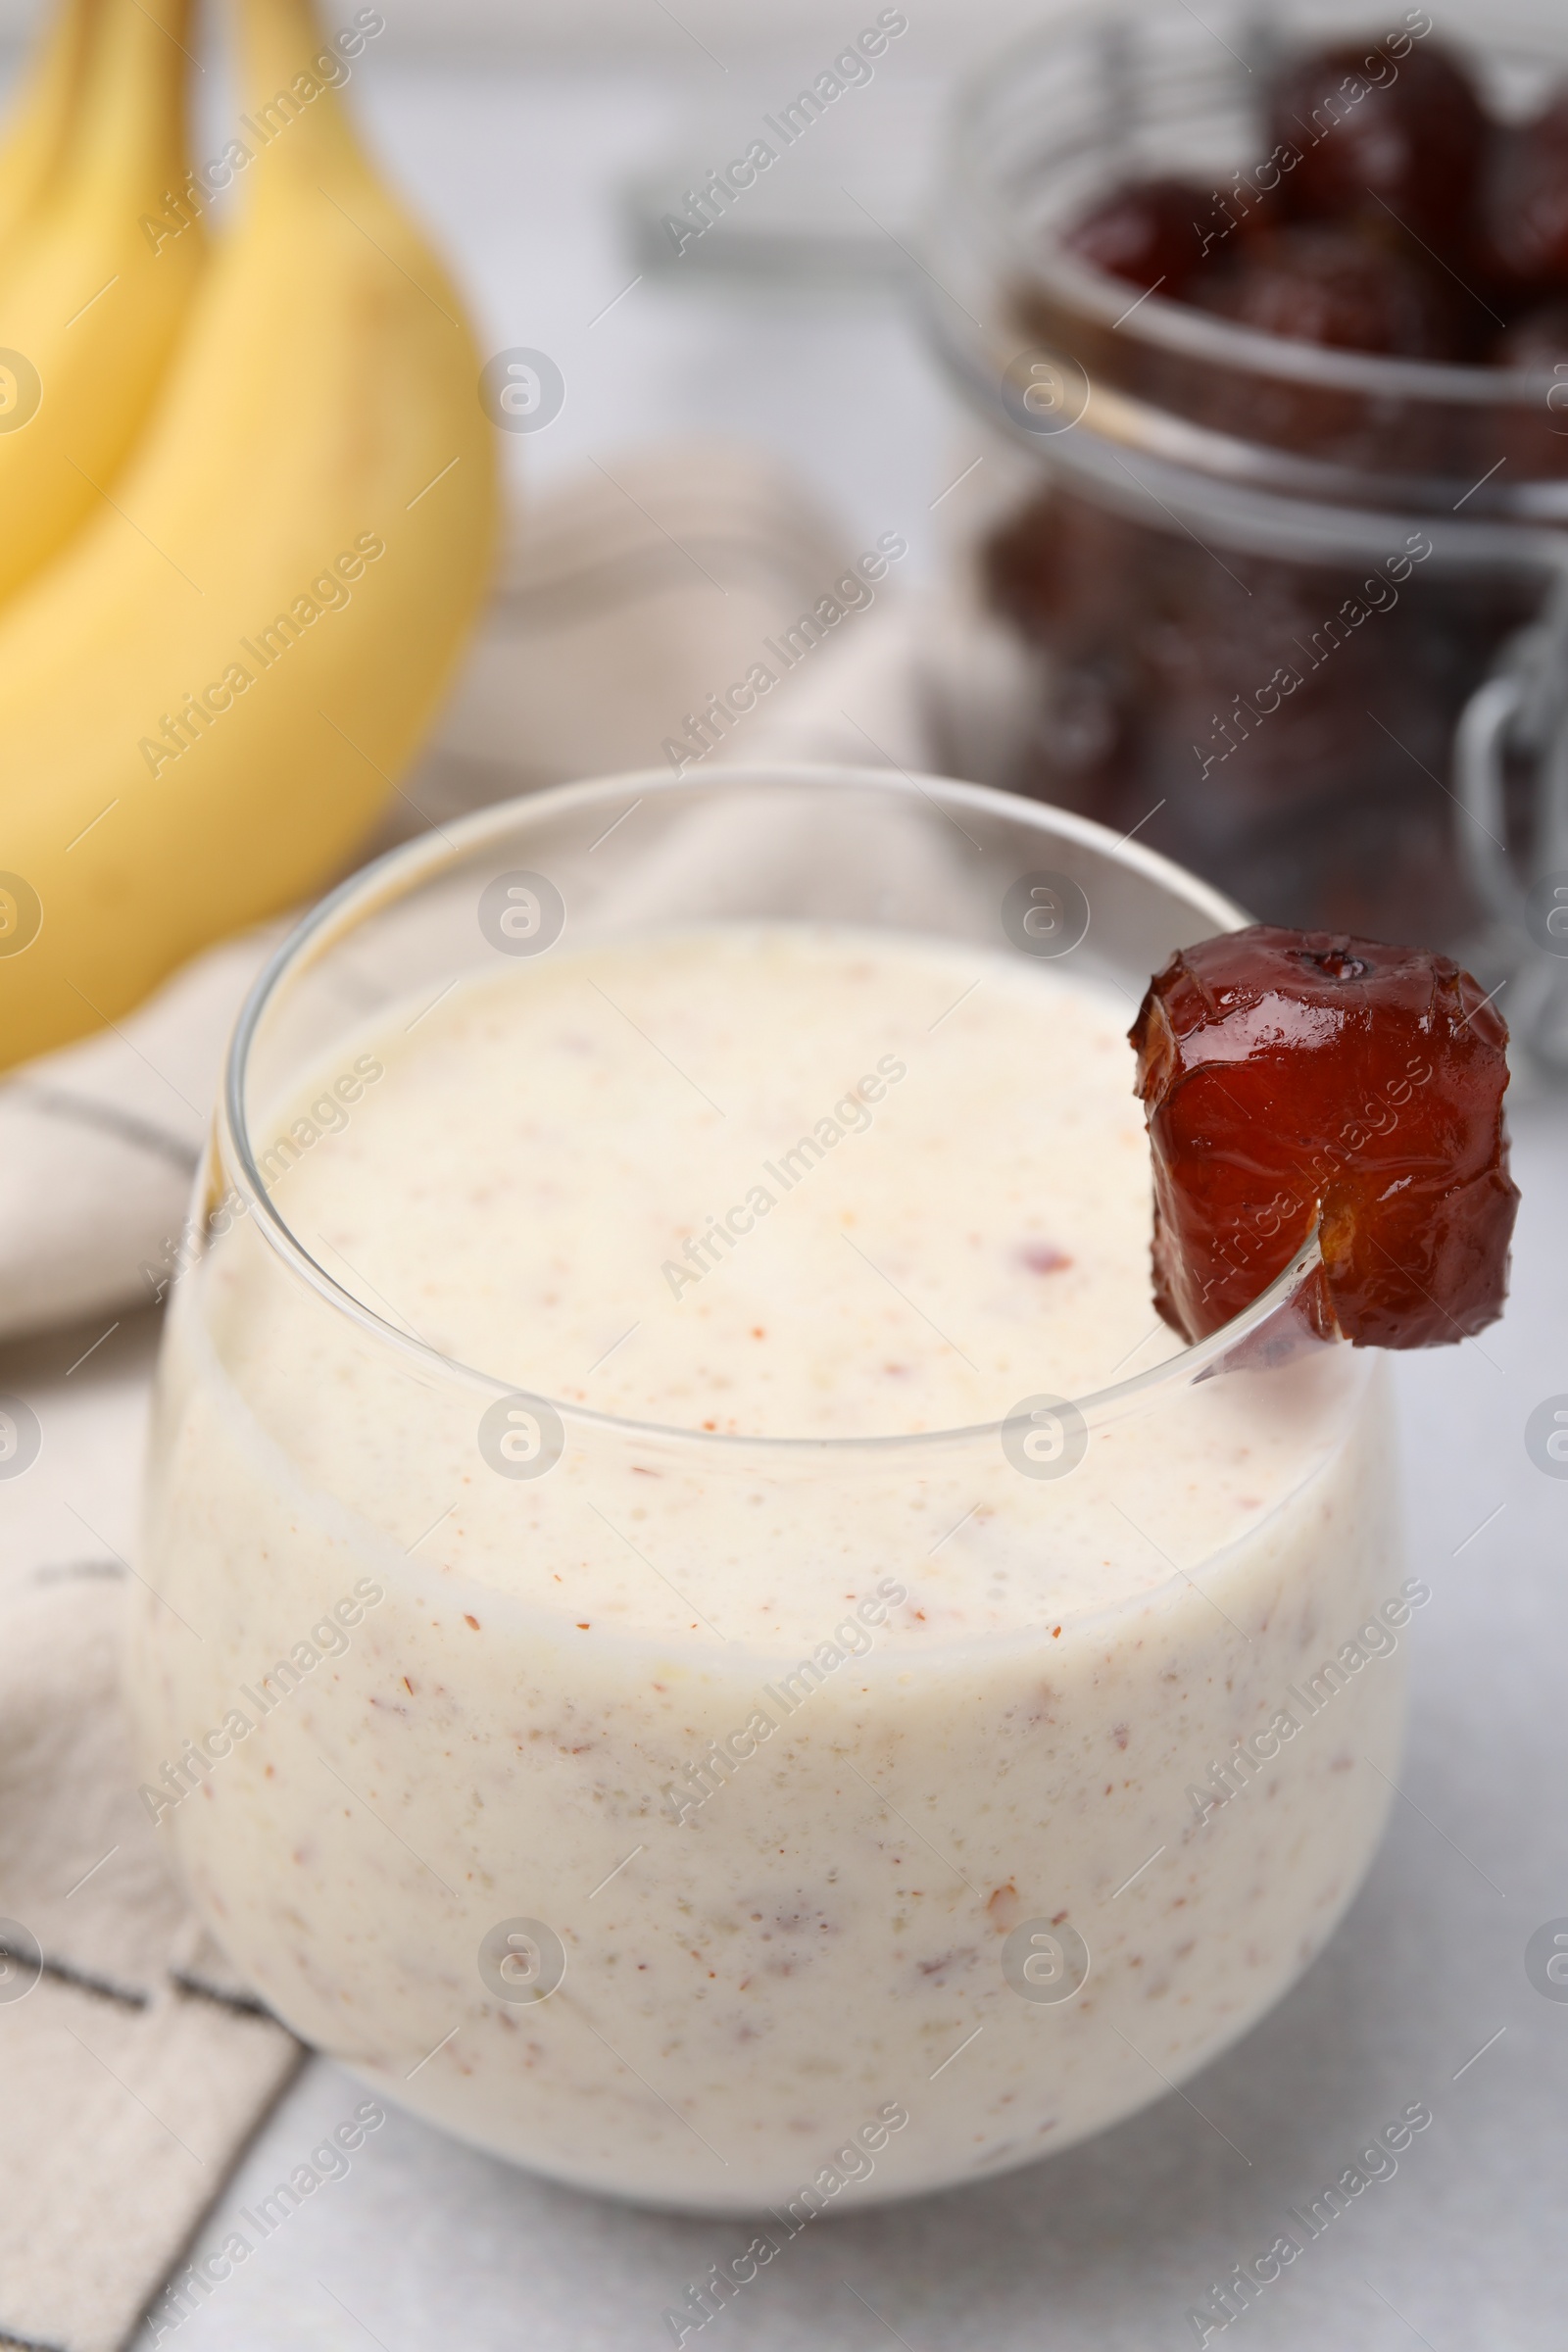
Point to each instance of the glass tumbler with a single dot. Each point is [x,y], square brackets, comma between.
[686,1907]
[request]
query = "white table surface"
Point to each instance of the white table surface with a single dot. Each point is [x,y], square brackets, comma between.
[428,2243]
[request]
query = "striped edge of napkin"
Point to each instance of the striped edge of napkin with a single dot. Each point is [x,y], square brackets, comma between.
[132,2066]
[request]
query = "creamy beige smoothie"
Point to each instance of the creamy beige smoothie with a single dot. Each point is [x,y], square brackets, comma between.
[717,1820]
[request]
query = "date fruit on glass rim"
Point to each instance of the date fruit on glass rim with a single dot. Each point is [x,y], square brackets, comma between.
[1295,1082]
[698,1629]
[1300,482]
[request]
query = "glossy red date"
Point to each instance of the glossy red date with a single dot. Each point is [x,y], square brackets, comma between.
[1398,143]
[1147,233]
[1332,287]
[1297,1076]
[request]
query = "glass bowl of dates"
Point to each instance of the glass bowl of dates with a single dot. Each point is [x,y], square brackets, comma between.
[1268,318]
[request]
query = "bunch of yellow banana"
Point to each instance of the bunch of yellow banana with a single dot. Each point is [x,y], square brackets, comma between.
[217,656]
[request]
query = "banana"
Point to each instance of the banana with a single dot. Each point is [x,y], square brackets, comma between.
[205,700]
[36,130]
[89,300]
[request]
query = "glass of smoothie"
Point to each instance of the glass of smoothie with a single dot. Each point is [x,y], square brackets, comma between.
[698,1629]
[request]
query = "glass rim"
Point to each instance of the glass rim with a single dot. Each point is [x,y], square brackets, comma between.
[1175,327]
[399,871]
